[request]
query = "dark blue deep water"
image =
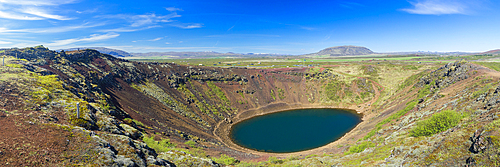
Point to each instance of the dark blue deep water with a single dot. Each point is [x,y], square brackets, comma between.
[294,130]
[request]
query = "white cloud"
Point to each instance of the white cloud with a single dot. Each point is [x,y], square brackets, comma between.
[50,29]
[4,42]
[187,25]
[350,5]
[168,43]
[87,11]
[242,36]
[146,21]
[31,10]
[14,16]
[173,9]
[128,29]
[156,39]
[231,28]
[41,13]
[37,2]
[92,38]
[143,20]
[437,7]
[142,48]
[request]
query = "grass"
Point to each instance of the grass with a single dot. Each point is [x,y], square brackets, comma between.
[437,123]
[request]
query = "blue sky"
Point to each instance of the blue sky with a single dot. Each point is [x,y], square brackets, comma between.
[257,26]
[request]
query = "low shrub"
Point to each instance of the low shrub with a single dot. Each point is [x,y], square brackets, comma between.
[437,123]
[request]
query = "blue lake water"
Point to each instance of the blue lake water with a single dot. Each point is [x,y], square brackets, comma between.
[294,130]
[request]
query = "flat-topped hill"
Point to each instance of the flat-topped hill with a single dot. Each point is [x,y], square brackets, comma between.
[344,51]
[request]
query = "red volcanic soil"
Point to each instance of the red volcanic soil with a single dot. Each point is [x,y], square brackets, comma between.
[23,143]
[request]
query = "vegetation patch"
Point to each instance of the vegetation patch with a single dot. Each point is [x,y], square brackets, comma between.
[411,80]
[491,65]
[426,90]
[400,113]
[226,160]
[272,94]
[15,65]
[281,93]
[130,120]
[359,148]
[333,90]
[217,91]
[437,123]
[161,146]
[191,143]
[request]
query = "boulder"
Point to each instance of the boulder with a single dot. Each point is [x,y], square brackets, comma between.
[479,142]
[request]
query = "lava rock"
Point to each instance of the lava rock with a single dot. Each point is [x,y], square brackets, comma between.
[479,142]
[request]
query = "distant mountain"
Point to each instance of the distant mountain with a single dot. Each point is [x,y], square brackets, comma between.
[109,51]
[496,51]
[207,54]
[343,51]
[429,53]
[186,54]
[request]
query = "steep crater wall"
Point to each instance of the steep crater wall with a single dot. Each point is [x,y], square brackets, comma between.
[200,103]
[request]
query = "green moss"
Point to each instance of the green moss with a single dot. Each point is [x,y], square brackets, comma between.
[379,153]
[274,160]
[272,94]
[369,70]
[281,93]
[226,160]
[493,125]
[15,65]
[333,90]
[437,123]
[191,143]
[483,90]
[160,146]
[423,92]
[129,121]
[219,93]
[360,147]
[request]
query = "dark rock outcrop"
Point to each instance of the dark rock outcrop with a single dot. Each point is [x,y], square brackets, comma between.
[479,142]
